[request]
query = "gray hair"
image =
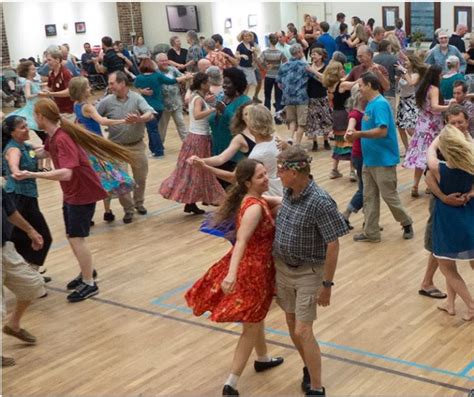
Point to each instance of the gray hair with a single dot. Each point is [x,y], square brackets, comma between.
[295,48]
[365,48]
[339,56]
[172,40]
[215,75]
[210,43]
[452,61]
[193,36]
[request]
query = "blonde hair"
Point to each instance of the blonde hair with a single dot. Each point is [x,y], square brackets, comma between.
[77,88]
[56,55]
[360,33]
[93,144]
[458,152]
[356,100]
[240,36]
[394,42]
[332,74]
[260,120]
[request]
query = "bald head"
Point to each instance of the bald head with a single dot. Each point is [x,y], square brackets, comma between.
[203,65]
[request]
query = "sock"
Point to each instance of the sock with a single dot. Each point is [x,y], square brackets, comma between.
[264,359]
[232,381]
[88,282]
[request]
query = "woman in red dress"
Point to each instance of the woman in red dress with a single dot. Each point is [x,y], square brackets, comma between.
[240,287]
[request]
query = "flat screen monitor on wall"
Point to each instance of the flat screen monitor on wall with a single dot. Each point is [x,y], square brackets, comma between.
[182,18]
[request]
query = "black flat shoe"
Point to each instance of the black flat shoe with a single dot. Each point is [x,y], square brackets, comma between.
[188,208]
[229,391]
[261,366]
[315,146]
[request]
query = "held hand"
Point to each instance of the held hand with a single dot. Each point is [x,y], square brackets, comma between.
[244,57]
[36,240]
[349,136]
[210,97]
[324,297]
[220,107]
[147,91]
[43,93]
[21,175]
[190,160]
[281,145]
[455,199]
[133,118]
[198,162]
[228,284]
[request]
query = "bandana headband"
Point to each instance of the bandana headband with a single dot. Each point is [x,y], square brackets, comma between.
[296,165]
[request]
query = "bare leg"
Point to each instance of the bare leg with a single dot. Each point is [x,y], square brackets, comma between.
[450,306]
[403,137]
[335,164]
[257,89]
[260,343]
[83,256]
[292,128]
[17,314]
[245,346]
[106,204]
[299,134]
[291,322]
[417,177]
[431,267]
[312,353]
[456,282]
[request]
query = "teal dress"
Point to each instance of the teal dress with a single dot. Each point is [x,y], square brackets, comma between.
[220,127]
[28,110]
[28,162]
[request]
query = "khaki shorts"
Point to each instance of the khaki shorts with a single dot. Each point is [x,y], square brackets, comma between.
[297,289]
[26,283]
[298,113]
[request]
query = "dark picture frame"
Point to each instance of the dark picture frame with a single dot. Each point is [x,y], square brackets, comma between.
[436,23]
[458,10]
[80,27]
[50,30]
[389,16]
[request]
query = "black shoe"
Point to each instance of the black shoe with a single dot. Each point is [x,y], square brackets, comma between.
[92,223]
[47,279]
[141,209]
[306,382]
[408,232]
[229,391]
[128,217]
[188,208]
[348,224]
[109,216]
[261,366]
[78,280]
[316,392]
[327,146]
[315,146]
[83,292]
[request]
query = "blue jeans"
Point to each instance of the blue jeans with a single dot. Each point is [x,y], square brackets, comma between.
[357,201]
[154,140]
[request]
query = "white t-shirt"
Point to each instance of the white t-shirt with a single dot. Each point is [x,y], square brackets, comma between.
[267,153]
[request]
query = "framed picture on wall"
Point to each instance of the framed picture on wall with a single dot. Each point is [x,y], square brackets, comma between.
[252,20]
[463,15]
[50,30]
[80,27]
[389,16]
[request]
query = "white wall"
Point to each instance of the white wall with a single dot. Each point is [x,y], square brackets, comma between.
[155,22]
[24,26]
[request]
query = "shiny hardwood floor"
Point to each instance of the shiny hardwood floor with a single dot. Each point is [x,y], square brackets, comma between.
[378,337]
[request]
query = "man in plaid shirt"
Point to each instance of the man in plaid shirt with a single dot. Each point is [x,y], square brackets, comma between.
[305,249]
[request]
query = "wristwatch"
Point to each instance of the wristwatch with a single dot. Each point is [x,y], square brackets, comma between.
[327,284]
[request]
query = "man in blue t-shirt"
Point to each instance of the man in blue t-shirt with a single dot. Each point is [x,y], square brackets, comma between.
[327,41]
[380,157]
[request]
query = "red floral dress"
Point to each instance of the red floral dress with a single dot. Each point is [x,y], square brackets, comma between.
[255,283]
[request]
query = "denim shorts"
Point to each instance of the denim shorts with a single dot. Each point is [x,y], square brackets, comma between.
[77,219]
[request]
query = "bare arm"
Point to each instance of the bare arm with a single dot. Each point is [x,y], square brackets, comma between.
[249,223]
[13,156]
[28,94]
[434,100]
[453,199]
[90,111]
[237,144]
[21,223]
[432,158]
[332,253]
[62,174]
[200,112]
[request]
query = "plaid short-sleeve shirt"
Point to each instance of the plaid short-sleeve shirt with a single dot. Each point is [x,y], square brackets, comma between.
[305,225]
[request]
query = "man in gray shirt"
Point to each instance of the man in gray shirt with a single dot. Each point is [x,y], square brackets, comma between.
[128,105]
[388,61]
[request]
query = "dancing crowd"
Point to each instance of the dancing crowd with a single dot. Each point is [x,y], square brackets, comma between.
[355,86]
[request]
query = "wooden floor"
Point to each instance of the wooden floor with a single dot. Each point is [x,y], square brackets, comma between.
[378,337]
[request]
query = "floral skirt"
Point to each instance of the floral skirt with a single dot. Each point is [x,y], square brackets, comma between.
[189,183]
[319,118]
[113,178]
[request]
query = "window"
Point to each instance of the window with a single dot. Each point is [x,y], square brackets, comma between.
[422,17]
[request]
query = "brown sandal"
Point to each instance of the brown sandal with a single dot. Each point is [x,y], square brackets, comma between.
[414,192]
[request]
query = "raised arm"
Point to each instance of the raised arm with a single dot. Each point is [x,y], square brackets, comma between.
[432,158]
[90,111]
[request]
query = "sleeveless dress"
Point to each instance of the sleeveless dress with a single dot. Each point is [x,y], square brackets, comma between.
[267,152]
[255,283]
[428,126]
[453,227]
[188,183]
[27,111]
[341,149]
[113,177]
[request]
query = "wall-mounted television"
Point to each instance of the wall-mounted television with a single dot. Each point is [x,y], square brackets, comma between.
[182,18]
